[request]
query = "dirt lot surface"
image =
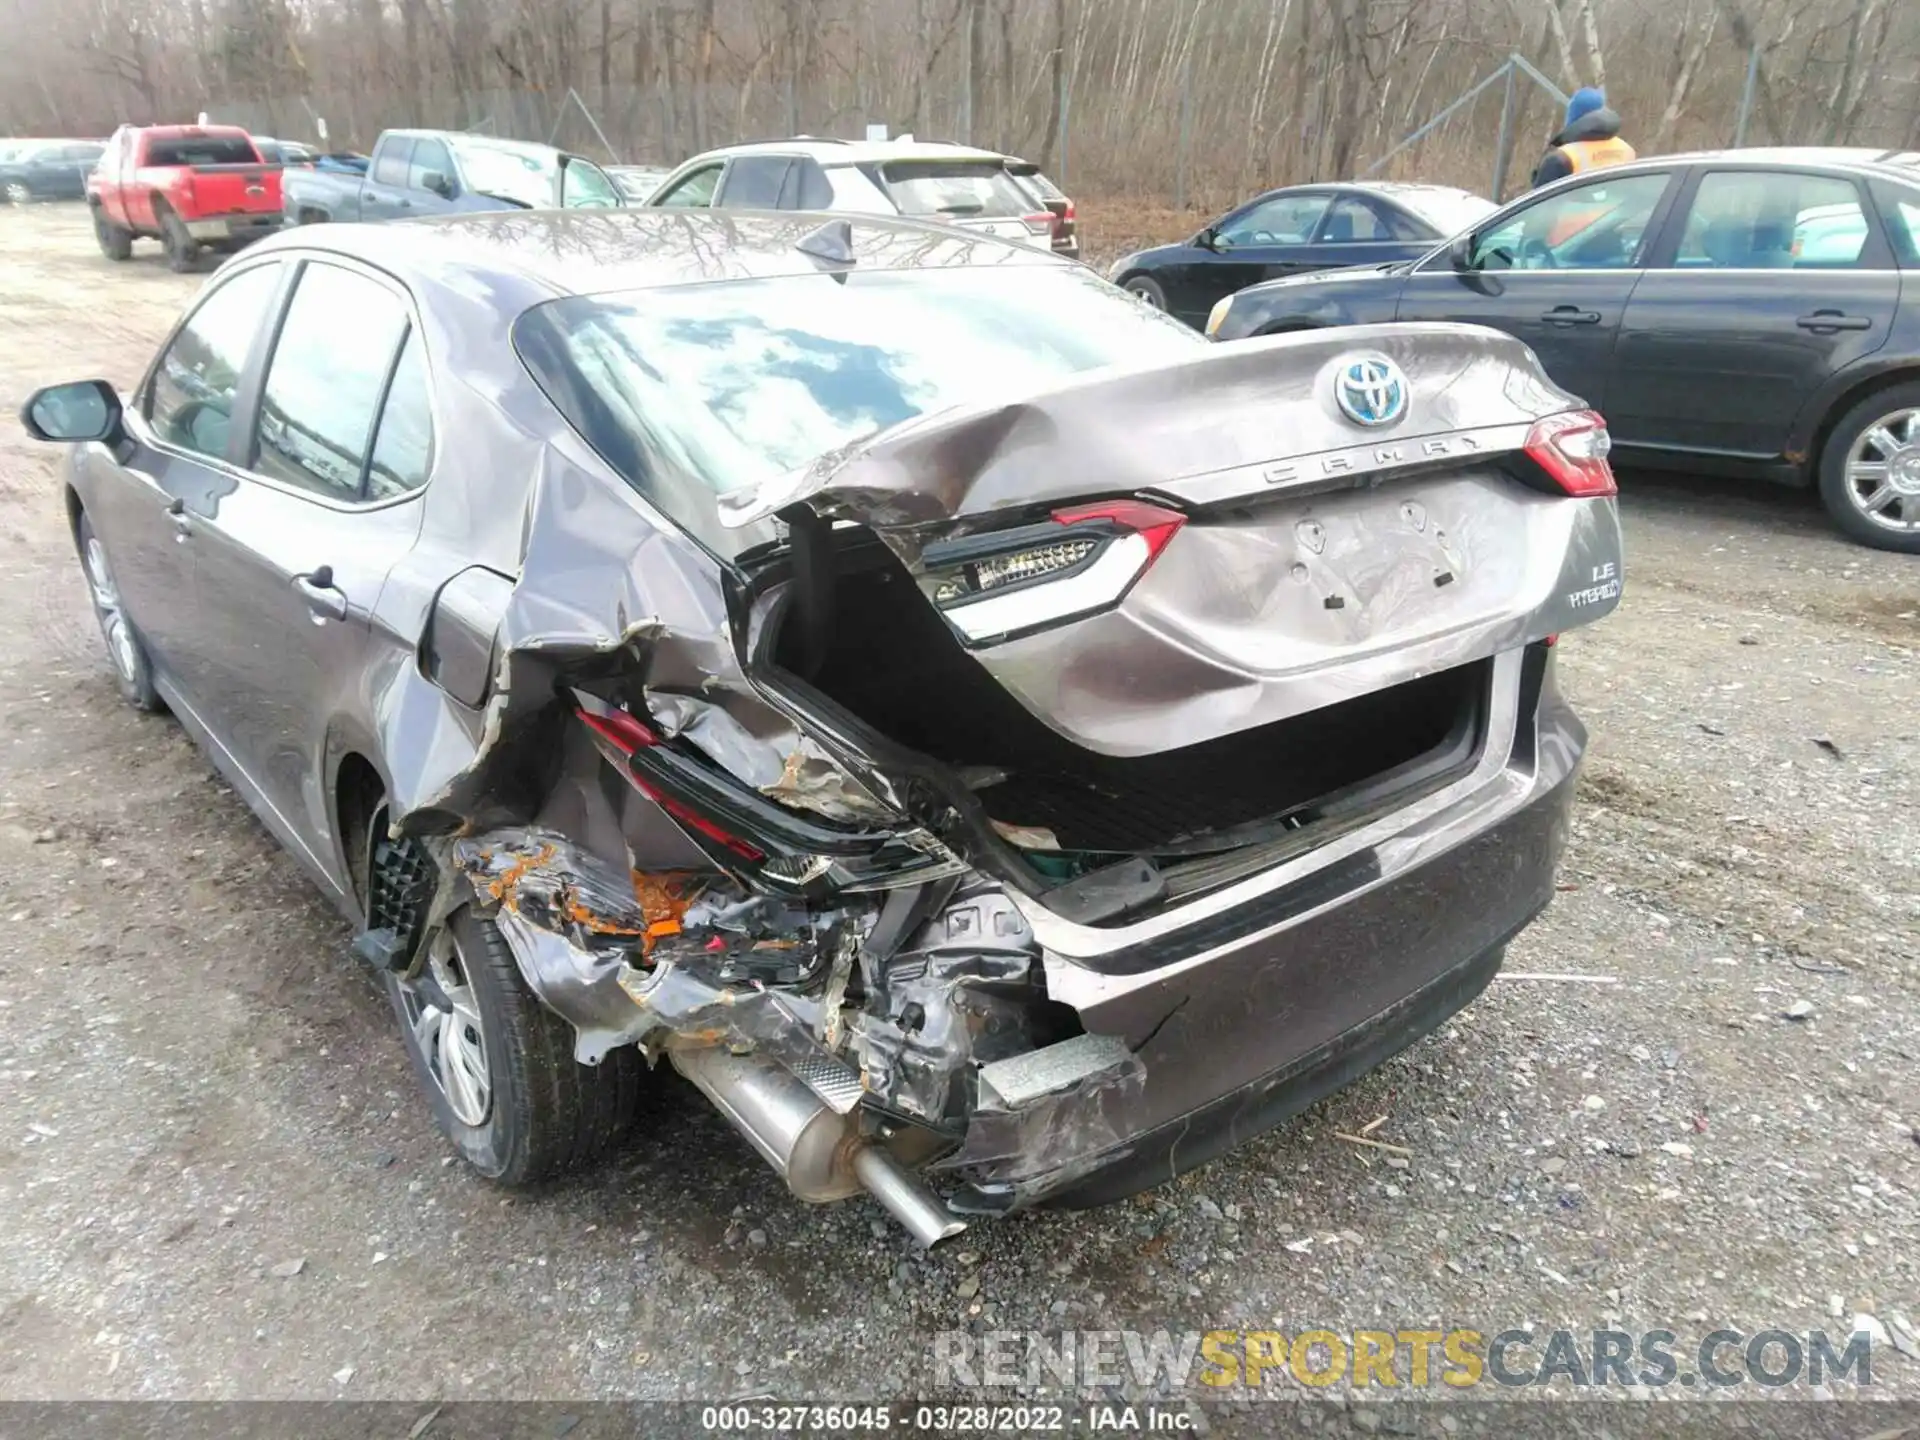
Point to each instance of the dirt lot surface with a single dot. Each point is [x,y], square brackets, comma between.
[216,1179]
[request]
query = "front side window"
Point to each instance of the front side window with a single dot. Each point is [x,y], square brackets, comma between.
[696,191]
[329,369]
[1770,220]
[1283,220]
[754,182]
[1602,226]
[190,403]
[702,390]
[585,186]
[430,157]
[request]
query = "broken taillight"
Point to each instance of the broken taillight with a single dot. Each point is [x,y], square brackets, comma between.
[1572,449]
[1082,560]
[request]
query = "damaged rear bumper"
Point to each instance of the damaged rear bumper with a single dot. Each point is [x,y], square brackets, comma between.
[1279,1002]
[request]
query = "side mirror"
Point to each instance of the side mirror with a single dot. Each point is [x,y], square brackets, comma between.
[439,183]
[1460,252]
[78,411]
[1206,240]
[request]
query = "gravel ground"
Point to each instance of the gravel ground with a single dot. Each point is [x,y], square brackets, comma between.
[216,1180]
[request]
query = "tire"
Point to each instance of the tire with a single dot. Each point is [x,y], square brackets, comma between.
[1873,455]
[132,670]
[543,1114]
[18,194]
[1147,289]
[183,251]
[116,242]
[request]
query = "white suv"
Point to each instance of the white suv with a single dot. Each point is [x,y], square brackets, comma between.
[930,180]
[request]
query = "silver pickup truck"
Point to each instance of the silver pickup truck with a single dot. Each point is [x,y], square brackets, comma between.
[445,172]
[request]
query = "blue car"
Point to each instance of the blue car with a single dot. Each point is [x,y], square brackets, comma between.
[1292,231]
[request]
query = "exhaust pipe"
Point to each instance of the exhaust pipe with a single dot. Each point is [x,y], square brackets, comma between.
[821,1155]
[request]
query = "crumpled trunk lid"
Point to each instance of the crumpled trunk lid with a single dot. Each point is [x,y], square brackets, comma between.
[1316,557]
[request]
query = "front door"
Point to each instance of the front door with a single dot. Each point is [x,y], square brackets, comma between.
[143,506]
[291,563]
[1775,281]
[1263,240]
[386,182]
[1556,273]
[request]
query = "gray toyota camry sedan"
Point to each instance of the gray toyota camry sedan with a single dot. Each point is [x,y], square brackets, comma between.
[1000,747]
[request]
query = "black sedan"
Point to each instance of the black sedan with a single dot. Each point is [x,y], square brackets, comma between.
[1733,313]
[1292,231]
[56,170]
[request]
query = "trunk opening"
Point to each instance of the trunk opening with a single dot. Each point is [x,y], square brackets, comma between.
[1202,815]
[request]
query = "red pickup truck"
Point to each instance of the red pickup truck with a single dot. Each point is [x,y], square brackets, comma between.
[187,186]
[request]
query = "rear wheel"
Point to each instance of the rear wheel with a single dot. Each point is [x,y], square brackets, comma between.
[1870,470]
[131,668]
[183,251]
[496,1064]
[1147,289]
[116,241]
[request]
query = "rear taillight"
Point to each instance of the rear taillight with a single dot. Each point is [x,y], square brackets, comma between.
[1083,560]
[623,736]
[1572,449]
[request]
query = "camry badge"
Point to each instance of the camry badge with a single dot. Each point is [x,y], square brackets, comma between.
[1370,390]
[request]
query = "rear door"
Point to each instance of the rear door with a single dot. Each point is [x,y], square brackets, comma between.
[292,561]
[385,188]
[1773,281]
[1556,272]
[147,508]
[1358,230]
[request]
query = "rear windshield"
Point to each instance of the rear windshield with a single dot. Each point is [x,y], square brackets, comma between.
[956,188]
[202,150]
[1447,211]
[701,390]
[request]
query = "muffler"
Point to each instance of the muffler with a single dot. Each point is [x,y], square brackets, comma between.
[821,1155]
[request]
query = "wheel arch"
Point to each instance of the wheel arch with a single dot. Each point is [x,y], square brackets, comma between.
[1809,441]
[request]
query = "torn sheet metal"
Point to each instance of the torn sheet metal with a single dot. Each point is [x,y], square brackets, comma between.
[785,766]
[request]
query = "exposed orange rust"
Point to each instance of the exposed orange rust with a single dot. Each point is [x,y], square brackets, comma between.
[574,910]
[510,878]
[663,900]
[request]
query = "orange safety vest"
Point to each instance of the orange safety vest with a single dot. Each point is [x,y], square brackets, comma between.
[1587,155]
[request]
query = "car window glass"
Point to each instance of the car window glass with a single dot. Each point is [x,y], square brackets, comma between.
[753,182]
[190,403]
[202,150]
[585,186]
[805,187]
[1601,226]
[403,445]
[329,365]
[430,157]
[1351,219]
[955,189]
[1769,220]
[697,189]
[390,166]
[1283,220]
[1902,217]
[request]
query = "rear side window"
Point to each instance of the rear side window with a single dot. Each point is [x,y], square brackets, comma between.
[1900,211]
[1766,220]
[955,189]
[190,403]
[390,165]
[202,150]
[1349,220]
[806,187]
[325,381]
[753,182]
[403,445]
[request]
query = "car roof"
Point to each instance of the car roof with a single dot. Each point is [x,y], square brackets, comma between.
[1904,164]
[546,253]
[174,132]
[533,149]
[829,151]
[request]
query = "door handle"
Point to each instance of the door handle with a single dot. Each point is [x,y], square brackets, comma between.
[1825,322]
[326,600]
[1569,315]
[182,522]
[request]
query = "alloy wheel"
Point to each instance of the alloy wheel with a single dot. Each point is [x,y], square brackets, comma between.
[446,1024]
[106,604]
[1883,472]
[1147,297]
[18,194]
